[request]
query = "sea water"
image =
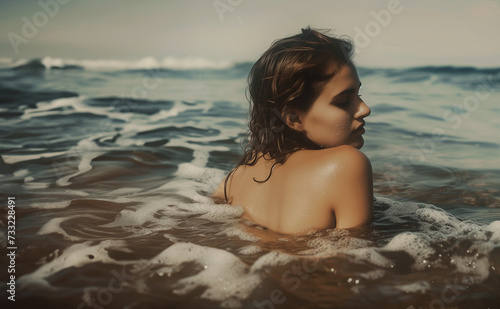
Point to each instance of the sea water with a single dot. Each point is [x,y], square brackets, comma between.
[112,163]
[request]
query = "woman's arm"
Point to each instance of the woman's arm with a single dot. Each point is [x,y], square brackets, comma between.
[352,192]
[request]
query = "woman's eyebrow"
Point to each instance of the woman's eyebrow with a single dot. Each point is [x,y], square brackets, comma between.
[347,91]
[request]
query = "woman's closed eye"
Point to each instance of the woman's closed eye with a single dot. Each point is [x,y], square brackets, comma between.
[348,101]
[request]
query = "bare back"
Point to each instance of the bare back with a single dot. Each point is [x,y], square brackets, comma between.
[313,189]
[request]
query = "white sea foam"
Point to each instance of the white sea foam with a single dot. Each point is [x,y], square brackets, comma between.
[337,241]
[144,63]
[127,191]
[87,151]
[36,185]
[416,245]
[21,173]
[369,255]
[12,159]
[226,278]
[145,213]
[51,205]
[416,287]
[374,274]
[74,256]
[238,280]
[54,226]
[76,192]
[222,213]
[272,259]
[397,209]
[164,114]
[185,187]
[476,269]
[236,231]
[73,105]
[206,178]
[494,227]
[250,250]
[188,63]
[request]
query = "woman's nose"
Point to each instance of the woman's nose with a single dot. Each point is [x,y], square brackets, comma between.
[363,110]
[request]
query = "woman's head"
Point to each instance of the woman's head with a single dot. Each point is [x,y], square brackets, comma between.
[290,88]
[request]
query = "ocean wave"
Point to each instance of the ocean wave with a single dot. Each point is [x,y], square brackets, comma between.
[191,67]
[169,63]
[453,70]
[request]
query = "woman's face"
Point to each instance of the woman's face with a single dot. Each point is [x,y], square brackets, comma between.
[336,117]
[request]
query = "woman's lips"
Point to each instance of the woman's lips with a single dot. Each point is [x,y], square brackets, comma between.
[360,130]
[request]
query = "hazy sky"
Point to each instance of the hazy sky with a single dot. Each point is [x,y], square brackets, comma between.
[405,33]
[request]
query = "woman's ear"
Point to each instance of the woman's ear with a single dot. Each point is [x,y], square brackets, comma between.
[293,120]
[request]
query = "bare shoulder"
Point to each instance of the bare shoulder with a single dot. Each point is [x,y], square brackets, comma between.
[349,161]
[342,159]
[345,174]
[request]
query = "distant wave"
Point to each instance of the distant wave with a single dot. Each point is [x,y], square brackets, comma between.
[170,63]
[453,69]
[188,65]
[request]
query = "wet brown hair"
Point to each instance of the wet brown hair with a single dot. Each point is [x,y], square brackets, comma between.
[287,78]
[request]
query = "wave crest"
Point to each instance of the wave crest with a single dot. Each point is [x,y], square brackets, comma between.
[48,63]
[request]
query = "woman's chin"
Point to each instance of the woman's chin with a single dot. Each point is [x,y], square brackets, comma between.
[358,143]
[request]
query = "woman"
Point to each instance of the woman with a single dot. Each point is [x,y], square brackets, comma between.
[302,170]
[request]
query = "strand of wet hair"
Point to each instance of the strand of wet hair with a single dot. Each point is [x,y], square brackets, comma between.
[269,176]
